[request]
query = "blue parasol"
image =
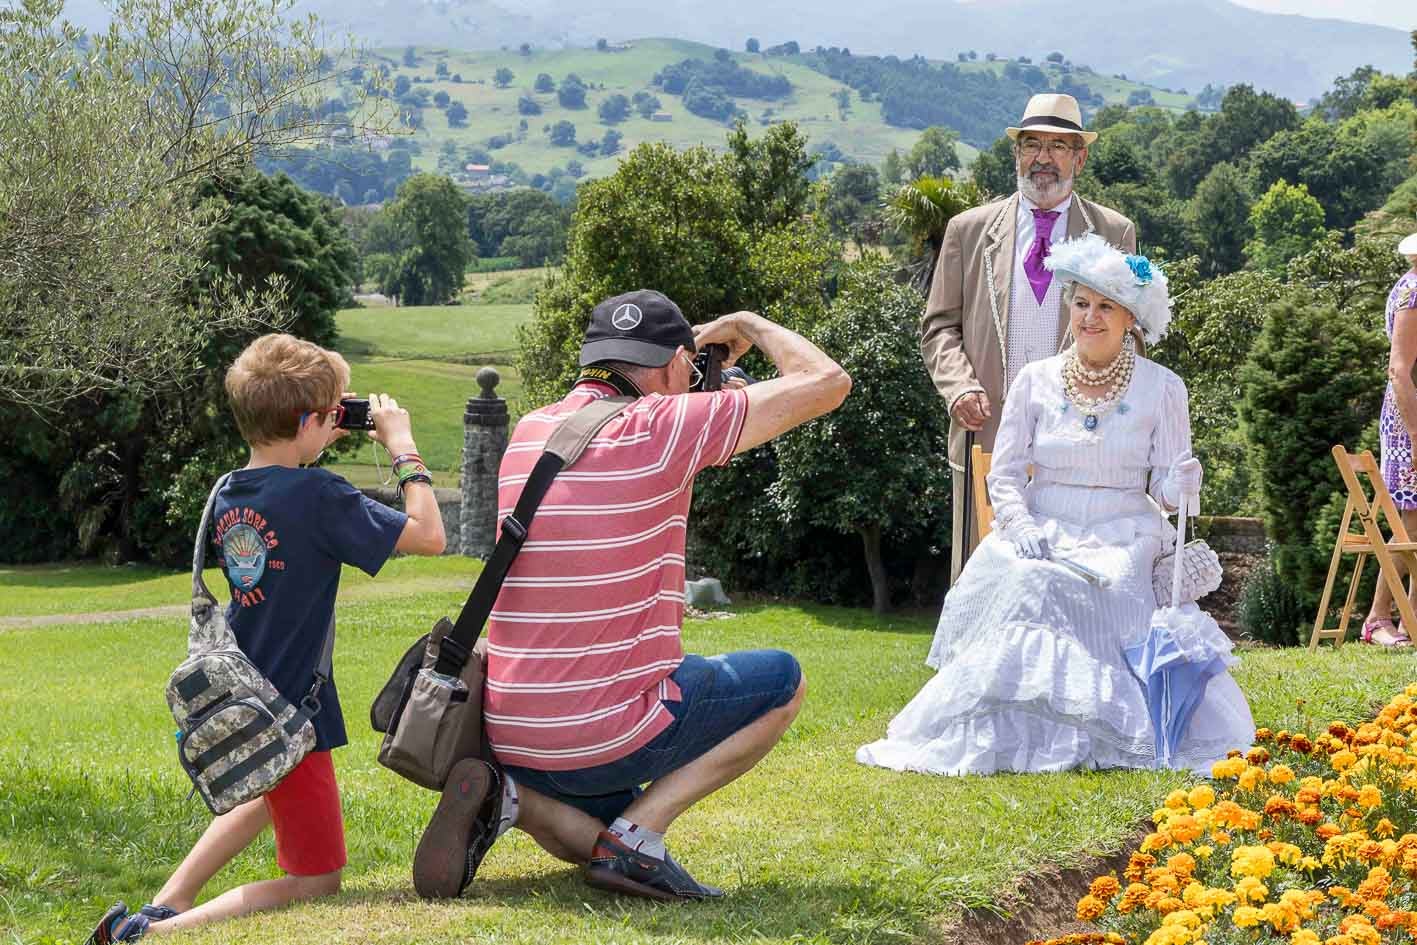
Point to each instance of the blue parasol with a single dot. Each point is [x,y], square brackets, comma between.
[1174,662]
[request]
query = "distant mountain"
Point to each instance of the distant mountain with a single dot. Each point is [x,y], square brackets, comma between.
[1160,42]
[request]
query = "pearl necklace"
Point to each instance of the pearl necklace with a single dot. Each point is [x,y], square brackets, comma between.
[1117,376]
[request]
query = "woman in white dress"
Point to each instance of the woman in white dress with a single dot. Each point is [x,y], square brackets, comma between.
[1032,672]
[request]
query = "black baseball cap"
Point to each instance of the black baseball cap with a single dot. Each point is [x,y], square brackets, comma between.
[642,327]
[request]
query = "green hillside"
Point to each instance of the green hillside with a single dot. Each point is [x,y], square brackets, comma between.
[860,132]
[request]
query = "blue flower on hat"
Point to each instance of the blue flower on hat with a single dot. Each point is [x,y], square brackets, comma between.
[1141,268]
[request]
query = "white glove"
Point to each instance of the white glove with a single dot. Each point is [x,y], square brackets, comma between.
[1027,538]
[1183,479]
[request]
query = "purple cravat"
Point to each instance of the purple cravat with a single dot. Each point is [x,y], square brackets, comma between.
[1038,276]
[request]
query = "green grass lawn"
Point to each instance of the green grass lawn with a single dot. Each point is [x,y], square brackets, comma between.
[810,846]
[428,357]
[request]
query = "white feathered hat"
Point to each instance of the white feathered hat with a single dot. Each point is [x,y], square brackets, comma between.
[1130,281]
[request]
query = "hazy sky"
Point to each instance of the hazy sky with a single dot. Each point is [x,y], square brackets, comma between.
[1401,14]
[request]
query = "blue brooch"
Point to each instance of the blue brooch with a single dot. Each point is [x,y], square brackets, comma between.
[1141,268]
[1090,422]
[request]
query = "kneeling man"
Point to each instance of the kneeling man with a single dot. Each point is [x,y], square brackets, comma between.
[590,696]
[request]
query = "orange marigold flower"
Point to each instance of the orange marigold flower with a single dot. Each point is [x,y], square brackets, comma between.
[1257,756]
[1309,816]
[1090,909]
[1339,730]
[1233,753]
[1370,796]
[1309,795]
[1182,865]
[1327,831]
[1263,734]
[1278,806]
[1168,905]
[1302,744]
[1135,895]
[1104,888]
[1384,828]
[1343,760]
[1184,828]
[1370,850]
[1282,737]
[1138,865]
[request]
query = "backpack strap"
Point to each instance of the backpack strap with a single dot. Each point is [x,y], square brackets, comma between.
[199,549]
[562,449]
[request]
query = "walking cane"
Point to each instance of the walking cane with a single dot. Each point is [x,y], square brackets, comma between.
[967,506]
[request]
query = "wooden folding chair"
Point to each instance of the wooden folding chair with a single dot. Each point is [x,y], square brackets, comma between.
[979,463]
[1370,542]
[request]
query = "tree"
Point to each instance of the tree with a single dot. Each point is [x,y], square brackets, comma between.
[771,174]
[410,56]
[1114,160]
[610,142]
[524,49]
[1314,378]
[1286,222]
[1219,217]
[602,44]
[1055,57]
[922,209]
[429,223]
[503,77]
[851,197]
[1246,118]
[933,154]
[892,168]
[571,94]
[402,86]
[114,447]
[524,223]
[544,83]
[871,468]
[457,115]
[526,105]
[994,171]
[645,103]
[441,99]
[442,70]
[752,45]
[614,109]
[107,139]
[563,134]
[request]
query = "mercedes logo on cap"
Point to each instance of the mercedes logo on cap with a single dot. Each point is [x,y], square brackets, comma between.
[627,317]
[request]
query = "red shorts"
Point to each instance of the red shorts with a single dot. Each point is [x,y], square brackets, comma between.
[305,814]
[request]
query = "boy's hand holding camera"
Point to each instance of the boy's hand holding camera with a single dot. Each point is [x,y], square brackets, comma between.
[391,426]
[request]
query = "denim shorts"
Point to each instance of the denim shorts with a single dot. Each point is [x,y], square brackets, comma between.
[720,696]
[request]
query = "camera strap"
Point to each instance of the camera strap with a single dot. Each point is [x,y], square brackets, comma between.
[562,449]
[608,375]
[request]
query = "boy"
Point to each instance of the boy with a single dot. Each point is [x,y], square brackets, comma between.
[307,522]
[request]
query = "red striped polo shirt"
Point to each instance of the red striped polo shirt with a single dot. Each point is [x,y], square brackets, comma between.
[585,631]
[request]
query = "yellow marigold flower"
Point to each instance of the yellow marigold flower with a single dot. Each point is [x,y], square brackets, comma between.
[1170,935]
[1104,888]
[1281,774]
[1201,796]
[1246,917]
[1203,851]
[1185,918]
[1343,760]
[1305,937]
[1176,800]
[1090,909]
[1286,853]
[1229,768]
[1252,861]
[1384,829]
[1168,905]
[1281,918]
[1250,889]
[1251,778]
[1370,796]
[1308,864]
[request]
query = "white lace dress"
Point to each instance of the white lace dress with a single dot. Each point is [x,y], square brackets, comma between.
[1032,674]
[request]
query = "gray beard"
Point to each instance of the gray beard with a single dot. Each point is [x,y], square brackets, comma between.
[1058,191]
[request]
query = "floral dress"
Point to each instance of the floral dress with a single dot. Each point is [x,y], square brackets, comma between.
[1398,472]
[1032,668]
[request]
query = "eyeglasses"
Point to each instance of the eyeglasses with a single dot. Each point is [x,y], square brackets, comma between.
[697,377]
[1032,147]
[337,410]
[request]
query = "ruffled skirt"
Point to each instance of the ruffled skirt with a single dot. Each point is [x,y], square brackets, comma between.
[1032,671]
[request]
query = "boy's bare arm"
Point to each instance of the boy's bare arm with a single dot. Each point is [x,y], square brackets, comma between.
[423,533]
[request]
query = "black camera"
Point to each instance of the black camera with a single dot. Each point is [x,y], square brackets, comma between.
[710,366]
[355,414]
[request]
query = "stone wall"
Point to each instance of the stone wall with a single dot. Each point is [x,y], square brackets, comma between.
[449,504]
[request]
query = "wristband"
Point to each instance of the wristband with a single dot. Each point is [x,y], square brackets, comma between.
[408,457]
[416,477]
[409,470]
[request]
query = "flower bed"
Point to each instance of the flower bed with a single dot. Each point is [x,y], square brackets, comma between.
[1305,839]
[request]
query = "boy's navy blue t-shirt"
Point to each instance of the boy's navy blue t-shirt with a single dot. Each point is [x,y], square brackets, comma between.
[283,534]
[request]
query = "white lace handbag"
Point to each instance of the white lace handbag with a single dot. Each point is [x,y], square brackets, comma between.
[1200,568]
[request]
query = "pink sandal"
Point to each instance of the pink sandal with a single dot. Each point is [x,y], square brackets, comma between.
[1398,637]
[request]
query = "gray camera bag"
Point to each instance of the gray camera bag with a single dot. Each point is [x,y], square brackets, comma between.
[237,736]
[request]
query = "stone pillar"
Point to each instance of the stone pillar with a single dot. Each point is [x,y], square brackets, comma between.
[484,441]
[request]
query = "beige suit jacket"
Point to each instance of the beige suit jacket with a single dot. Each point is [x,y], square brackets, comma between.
[966,317]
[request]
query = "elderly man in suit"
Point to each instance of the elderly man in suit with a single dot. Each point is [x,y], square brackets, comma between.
[993,306]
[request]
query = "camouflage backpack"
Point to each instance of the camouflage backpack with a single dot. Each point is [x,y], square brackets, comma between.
[237,736]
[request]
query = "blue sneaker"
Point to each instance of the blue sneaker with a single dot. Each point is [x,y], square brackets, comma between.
[119,925]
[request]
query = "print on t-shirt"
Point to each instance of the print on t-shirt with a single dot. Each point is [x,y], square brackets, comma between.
[245,553]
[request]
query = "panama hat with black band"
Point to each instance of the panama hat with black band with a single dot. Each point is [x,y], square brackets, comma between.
[1053,112]
[642,327]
